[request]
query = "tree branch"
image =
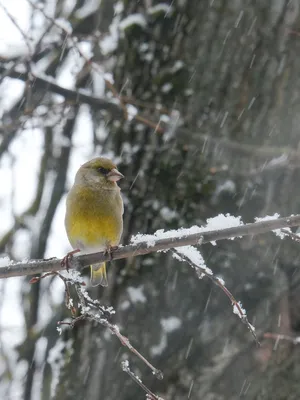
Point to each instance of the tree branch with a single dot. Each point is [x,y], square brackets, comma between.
[115,108]
[34,267]
[77,96]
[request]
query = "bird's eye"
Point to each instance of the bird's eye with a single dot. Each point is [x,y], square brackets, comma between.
[103,171]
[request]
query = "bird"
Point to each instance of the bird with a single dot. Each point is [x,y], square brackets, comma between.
[94,212]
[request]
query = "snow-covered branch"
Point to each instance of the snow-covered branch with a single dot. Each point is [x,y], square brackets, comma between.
[218,228]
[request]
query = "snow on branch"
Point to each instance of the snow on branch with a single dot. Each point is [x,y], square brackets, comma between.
[218,228]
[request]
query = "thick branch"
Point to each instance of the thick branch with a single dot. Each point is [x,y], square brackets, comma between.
[76,96]
[41,266]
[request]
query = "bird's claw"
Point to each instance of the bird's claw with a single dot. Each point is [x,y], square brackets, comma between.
[66,261]
[109,250]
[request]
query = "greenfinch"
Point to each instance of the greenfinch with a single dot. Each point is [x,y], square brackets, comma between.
[94,212]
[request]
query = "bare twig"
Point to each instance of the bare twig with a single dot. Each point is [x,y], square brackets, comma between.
[278,336]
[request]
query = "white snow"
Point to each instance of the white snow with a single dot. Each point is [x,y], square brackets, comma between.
[89,7]
[222,282]
[57,359]
[227,186]
[109,77]
[11,92]
[179,64]
[109,43]
[64,25]
[167,214]
[125,305]
[240,311]
[222,221]
[72,66]
[73,275]
[219,222]
[131,111]
[193,254]
[68,6]
[267,218]
[278,161]
[133,19]
[4,261]
[125,365]
[160,7]
[59,330]
[170,324]
[156,350]
[11,40]
[278,232]
[136,295]
[167,87]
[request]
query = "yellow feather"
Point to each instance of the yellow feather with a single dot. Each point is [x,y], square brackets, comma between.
[93,221]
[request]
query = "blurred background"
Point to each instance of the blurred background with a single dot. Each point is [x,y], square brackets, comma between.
[197,101]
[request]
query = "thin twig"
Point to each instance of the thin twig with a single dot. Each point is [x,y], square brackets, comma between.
[92,310]
[217,281]
[125,342]
[278,336]
[136,379]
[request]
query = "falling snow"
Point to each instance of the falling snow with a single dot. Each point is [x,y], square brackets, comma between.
[136,295]
[133,19]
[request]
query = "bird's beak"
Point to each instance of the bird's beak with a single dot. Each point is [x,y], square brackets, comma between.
[114,175]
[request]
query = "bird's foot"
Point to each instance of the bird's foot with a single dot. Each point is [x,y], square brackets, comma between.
[66,261]
[109,250]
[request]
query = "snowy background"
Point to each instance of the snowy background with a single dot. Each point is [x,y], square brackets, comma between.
[203,120]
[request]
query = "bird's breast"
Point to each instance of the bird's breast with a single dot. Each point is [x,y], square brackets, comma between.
[94,220]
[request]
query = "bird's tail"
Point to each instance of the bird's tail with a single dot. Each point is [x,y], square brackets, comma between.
[98,275]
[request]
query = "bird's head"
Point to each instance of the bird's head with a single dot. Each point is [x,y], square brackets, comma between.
[100,171]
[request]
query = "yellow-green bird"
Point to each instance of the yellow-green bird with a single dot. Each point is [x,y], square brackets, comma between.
[94,212]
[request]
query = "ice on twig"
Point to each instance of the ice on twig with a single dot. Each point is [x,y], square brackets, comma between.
[73,276]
